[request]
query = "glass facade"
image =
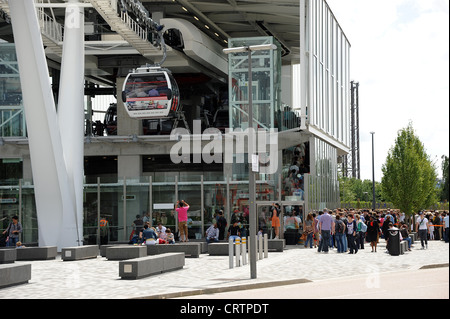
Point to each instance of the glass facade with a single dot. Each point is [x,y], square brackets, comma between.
[12,118]
[328,73]
[322,184]
[266,84]
[120,202]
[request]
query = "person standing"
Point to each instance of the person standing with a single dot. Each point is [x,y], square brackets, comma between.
[276,219]
[385,226]
[182,209]
[422,227]
[373,231]
[221,225]
[446,227]
[326,227]
[104,231]
[435,233]
[316,230]
[13,230]
[339,234]
[138,226]
[361,232]
[351,234]
[308,227]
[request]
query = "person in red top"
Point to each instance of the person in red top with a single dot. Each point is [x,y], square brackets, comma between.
[182,207]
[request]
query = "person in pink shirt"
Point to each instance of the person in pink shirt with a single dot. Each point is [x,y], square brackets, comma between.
[182,207]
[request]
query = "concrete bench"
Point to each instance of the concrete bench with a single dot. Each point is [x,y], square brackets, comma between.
[103,248]
[14,274]
[151,265]
[8,255]
[203,245]
[125,252]
[222,249]
[192,250]
[219,249]
[79,252]
[37,253]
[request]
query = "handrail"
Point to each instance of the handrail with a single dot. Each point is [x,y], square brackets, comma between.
[49,26]
[133,25]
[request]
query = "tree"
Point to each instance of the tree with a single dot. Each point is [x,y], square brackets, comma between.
[445,189]
[353,189]
[409,176]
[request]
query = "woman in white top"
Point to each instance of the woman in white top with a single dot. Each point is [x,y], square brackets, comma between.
[423,229]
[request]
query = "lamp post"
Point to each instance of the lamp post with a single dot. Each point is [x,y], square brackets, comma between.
[251,173]
[373,172]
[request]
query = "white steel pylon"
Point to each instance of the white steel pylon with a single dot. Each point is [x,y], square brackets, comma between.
[54,187]
[71,111]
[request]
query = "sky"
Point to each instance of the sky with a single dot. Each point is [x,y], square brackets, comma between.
[400,57]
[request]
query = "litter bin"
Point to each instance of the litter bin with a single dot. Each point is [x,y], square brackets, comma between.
[291,236]
[394,241]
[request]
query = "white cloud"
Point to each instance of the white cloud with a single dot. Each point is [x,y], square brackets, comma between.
[400,54]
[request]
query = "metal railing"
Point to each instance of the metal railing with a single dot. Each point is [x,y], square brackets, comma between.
[49,27]
[133,25]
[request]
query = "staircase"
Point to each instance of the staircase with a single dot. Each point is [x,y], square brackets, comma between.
[126,27]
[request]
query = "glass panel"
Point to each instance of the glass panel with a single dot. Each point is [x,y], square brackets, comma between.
[190,192]
[110,207]
[215,197]
[29,220]
[9,205]
[266,84]
[90,219]
[12,120]
[163,196]
[137,203]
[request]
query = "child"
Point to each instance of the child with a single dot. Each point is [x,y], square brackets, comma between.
[260,233]
[431,231]
[170,237]
[19,245]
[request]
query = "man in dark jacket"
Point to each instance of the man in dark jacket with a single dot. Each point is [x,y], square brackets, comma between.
[221,225]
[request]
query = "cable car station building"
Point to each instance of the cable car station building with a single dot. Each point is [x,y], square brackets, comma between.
[83,152]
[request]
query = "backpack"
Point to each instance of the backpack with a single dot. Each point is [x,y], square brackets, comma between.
[363,227]
[340,227]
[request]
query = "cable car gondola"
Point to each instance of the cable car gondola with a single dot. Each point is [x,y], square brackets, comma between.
[151,92]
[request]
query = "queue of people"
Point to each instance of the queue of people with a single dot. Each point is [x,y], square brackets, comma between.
[345,229]
[349,230]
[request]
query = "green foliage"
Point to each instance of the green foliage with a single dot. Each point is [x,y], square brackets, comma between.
[409,176]
[353,189]
[445,190]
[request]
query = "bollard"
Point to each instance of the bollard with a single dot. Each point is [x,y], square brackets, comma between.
[260,247]
[244,251]
[266,246]
[231,252]
[238,252]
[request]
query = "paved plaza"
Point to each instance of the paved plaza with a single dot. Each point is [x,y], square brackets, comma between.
[99,278]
